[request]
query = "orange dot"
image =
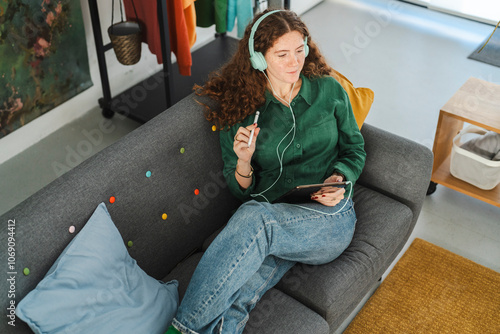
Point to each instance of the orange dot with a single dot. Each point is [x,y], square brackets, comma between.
[112,199]
[196,192]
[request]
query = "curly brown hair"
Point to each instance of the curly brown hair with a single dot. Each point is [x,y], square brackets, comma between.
[238,88]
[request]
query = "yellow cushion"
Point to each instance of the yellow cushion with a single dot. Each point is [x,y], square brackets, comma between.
[361,98]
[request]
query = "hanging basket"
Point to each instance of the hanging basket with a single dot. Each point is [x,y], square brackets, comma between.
[126,40]
[125,37]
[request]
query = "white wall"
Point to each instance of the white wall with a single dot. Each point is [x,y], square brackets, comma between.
[301,6]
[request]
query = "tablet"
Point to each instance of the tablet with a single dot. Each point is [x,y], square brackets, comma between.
[302,194]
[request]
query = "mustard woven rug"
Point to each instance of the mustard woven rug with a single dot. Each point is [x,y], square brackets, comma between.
[431,290]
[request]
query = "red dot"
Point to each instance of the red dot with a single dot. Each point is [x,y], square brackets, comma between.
[196,192]
[112,199]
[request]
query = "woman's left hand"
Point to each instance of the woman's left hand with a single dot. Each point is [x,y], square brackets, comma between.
[330,196]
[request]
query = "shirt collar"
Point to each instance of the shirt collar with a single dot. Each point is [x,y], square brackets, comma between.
[304,92]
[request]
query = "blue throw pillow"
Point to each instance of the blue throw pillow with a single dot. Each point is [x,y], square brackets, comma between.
[96,287]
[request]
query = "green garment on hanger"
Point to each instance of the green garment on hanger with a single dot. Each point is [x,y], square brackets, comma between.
[210,12]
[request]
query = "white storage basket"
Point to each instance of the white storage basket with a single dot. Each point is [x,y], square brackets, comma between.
[470,167]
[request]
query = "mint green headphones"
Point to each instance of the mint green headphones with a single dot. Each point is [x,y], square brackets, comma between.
[257,58]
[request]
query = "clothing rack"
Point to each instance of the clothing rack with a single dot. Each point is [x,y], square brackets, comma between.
[155,94]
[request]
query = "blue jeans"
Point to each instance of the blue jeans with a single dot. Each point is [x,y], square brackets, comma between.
[260,243]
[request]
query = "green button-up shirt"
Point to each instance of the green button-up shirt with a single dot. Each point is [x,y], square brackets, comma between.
[327,140]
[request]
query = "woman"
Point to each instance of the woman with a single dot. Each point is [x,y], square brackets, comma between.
[306,134]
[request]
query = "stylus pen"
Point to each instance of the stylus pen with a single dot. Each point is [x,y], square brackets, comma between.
[251,133]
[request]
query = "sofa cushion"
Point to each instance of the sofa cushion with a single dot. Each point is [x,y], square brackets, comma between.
[396,167]
[96,287]
[279,313]
[361,98]
[275,313]
[333,290]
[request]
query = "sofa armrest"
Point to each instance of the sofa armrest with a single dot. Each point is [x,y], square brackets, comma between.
[396,167]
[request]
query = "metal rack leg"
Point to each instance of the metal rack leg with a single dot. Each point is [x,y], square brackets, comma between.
[165,50]
[105,101]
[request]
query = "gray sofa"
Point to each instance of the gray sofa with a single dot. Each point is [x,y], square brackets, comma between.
[309,299]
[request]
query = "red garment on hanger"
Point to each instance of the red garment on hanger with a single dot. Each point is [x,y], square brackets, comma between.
[147,14]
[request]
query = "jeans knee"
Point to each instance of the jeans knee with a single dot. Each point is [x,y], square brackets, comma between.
[250,217]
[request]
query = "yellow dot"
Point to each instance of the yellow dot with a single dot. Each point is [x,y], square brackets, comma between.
[182,150]
[214,128]
[164,216]
[130,243]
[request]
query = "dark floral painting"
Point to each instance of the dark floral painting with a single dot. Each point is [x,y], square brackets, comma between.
[43,58]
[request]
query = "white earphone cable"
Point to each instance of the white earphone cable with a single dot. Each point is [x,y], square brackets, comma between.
[325,213]
[280,158]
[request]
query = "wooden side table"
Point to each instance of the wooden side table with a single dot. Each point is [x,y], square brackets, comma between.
[476,102]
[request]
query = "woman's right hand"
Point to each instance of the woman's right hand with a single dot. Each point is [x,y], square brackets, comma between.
[240,145]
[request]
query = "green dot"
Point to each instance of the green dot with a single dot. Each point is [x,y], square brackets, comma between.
[183,150]
[130,243]
[26,271]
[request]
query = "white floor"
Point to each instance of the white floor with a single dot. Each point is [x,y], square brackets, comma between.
[413,59]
